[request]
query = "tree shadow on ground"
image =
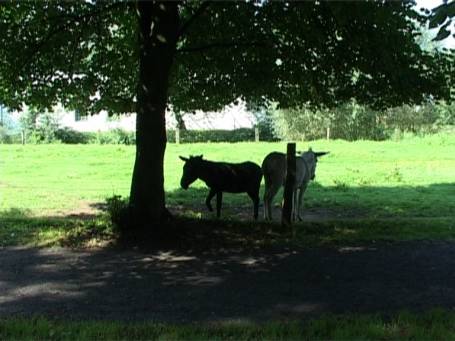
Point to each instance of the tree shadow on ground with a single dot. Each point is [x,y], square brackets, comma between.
[225,285]
[325,221]
[209,270]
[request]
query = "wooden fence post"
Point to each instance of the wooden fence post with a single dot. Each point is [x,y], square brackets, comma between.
[177,135]
[286,217]
[328,133]
[23,136]
[256,134]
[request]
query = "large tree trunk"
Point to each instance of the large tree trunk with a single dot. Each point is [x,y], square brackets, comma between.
[158,27]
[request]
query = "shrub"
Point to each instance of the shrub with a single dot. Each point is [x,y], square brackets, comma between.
[265,124]
[46,128]
[71,136]
[266,132]
[4,136]
[117,209]
[218,135]
[120,136]
[114,136]
[299,123]
[39,127]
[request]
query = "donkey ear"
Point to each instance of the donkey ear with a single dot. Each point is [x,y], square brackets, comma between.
[200,156]
[310,149]
[183,158]
[318,154]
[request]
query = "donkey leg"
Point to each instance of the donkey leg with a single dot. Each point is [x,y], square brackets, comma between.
[208,200]
[266,203]
[268,200]
[255,197]
[219,199]
[300,202]
[265,199]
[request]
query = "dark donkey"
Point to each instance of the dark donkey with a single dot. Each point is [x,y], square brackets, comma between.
[223,177]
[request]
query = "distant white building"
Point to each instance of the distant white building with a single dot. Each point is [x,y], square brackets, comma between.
[232,117]
[98,122]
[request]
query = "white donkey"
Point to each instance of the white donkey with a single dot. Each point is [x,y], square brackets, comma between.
[274,169]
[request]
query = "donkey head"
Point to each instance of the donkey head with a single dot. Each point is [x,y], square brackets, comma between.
[311,159]
[191,170]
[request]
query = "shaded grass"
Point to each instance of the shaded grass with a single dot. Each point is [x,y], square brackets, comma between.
[436,324]
[349,232]
[184,232]
[23,230]
[433,200]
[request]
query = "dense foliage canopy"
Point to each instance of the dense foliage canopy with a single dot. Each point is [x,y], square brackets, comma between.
[85,54]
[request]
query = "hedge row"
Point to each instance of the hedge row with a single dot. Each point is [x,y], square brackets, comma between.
[219,135]
[119,136]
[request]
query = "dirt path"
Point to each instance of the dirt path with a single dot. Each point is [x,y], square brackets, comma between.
[225,284]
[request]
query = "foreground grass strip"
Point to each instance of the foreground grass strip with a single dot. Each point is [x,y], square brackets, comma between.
[436,324]
[370,230]
[51,231]
[37,231]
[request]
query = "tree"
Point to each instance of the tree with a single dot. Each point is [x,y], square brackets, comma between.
[122,57]
[180,121]
[28,120]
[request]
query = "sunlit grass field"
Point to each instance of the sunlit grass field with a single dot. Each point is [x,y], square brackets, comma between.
[414,177]
[363,191]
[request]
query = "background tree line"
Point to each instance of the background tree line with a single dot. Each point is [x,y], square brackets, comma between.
[350,121]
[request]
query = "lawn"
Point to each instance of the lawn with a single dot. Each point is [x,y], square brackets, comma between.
[410,178]
[371,191]
[363,190]
[432,325]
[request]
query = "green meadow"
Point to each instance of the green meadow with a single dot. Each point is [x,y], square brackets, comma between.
[414,177]
[408,184]
[431,325]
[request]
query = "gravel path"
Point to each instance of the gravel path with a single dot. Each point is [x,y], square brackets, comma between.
[182,286]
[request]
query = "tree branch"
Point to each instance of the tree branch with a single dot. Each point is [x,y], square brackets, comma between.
[222,45]
[38,46]
[92,14]
[61,26]
[196,14]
